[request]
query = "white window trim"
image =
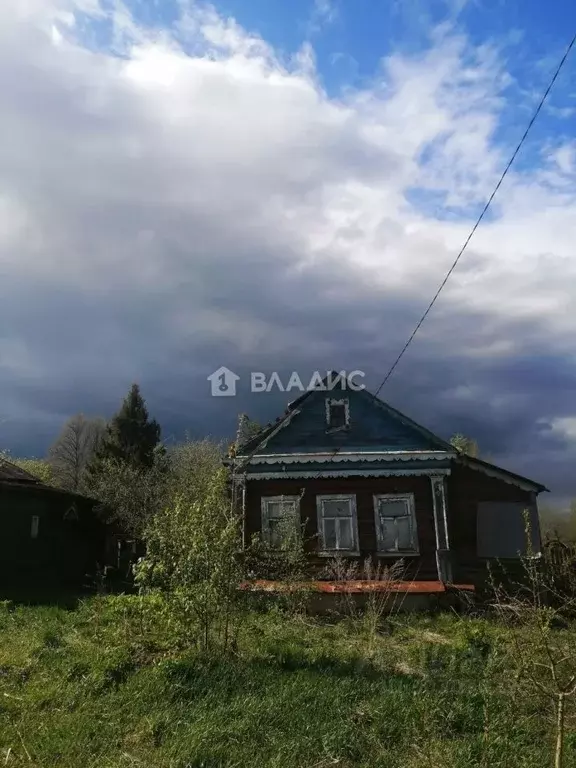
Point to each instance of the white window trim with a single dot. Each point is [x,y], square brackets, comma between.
[409,497]
[34,526]
[265,500]
[320,519]
[333,401]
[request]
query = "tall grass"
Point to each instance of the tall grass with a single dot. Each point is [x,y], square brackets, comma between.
[107,685]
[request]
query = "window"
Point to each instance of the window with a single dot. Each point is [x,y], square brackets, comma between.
[337,523]
[337,413]
[395,524]
[279,514]
[35,524]
[501,529]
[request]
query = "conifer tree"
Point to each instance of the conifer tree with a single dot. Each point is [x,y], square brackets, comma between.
[131,437]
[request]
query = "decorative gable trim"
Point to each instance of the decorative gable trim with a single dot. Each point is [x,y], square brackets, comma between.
[303,474]
[330,401]
[344,456]
[244,459]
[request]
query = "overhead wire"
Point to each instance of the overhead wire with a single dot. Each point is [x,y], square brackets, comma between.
[482,214]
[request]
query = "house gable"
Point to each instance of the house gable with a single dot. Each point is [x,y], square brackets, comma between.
[373,427]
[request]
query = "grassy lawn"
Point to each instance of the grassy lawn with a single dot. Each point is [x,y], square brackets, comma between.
[99,686]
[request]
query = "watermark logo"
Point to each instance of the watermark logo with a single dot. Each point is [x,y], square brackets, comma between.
[223,382]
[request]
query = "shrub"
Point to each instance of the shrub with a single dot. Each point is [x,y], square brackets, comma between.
[192,557]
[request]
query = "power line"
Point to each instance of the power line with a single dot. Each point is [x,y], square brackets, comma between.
[487,205]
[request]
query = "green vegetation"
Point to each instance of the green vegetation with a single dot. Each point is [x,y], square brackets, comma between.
[465,445]
[106,685]
[40,468]
[559,524]
[130,437]
[194,672]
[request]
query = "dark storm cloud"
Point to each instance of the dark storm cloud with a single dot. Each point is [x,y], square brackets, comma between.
[163,215]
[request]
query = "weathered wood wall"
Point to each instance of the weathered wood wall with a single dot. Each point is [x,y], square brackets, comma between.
[66,551]
[422,566]
[466,488]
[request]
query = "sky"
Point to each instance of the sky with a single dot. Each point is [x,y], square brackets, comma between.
[274,186]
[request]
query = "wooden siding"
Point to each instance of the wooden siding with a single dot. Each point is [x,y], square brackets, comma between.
[65,552]
[372,427]
[422,566]
[466,488]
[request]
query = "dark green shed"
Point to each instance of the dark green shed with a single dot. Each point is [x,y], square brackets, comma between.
[49,538]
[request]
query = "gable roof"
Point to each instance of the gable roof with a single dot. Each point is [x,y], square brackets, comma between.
[257,445]
[428,440]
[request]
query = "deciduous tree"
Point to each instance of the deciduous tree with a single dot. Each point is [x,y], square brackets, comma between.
[73,449]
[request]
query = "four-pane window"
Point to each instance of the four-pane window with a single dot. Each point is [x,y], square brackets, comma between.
[280,518]
[337,523]
[395,524]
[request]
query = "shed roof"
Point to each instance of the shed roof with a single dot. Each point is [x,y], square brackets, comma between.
[15,478]
[12,473]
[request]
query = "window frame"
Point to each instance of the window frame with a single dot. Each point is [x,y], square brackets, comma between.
[265,518]
[409,500]
[344,401]
[34,526]
[351,497]
[507,518]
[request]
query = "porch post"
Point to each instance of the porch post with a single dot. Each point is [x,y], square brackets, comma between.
[443,563]
[238,502]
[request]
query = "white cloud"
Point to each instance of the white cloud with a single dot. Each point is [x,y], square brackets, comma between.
[565,427]
[565,158]
[199,191]
[324,12]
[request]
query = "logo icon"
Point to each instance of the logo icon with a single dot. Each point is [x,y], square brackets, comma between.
[223,382]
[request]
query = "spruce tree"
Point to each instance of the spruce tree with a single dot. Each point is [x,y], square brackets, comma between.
[130,437]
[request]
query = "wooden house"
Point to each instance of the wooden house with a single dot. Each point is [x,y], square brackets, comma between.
[51,539]
[364,480]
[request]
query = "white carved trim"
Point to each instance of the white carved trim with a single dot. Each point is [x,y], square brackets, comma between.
[319,474]
[334,401]
[435,516]
[281,424]
[439,490]
[441,527]
[343,456]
